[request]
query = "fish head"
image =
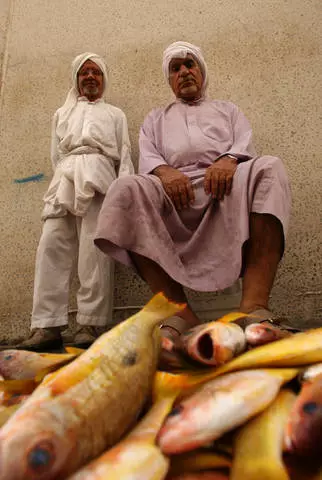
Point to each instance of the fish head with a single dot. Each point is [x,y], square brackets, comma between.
[11,362]
[34,446]
[184,428]
[303,431]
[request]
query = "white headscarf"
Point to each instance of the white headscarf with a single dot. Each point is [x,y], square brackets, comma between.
[181,50]
[73,94]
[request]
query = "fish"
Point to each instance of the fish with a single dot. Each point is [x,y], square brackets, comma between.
[303,432]
[84,408]
[137,456]
[261,333]
[22,364]
[219,406]
[207,475]
[196,461]
[311,372]
[258,445]
[213,343]
[301,349]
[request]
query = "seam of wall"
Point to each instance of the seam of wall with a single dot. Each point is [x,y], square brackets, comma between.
[4,68]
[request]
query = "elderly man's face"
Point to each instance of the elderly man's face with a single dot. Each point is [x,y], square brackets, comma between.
[90,80]
[185,78]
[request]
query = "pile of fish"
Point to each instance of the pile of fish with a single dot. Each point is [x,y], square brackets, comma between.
[108,413]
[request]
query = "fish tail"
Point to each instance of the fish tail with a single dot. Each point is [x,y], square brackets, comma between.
[75,350]
[161,307]
[233,316]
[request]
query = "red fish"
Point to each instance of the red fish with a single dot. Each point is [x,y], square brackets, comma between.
[261,333]
[213,343]
[303,435]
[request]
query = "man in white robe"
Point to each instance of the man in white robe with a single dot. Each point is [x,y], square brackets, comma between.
[204,209]
[90,149]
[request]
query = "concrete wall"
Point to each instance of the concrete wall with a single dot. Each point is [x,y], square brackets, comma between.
[264,56]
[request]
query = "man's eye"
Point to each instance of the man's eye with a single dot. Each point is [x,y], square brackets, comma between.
[175,68]
[189,63]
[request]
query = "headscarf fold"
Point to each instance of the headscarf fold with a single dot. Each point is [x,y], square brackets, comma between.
[73,94]
[181,50]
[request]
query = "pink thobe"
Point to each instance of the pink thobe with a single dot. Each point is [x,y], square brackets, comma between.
[201,246]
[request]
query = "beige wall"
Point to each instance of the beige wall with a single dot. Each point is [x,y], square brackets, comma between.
[263,55]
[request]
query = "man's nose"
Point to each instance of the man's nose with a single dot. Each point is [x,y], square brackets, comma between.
[184,70]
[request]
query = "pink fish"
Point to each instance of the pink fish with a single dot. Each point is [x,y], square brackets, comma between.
[261,333]
[213,343]
[219,406]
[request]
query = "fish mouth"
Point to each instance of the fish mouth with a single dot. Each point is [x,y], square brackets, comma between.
[205,347]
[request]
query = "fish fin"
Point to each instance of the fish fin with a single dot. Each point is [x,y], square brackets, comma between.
[75,350]
[167,385]
[18,386]
[233,316]
[65,379]
[57,357]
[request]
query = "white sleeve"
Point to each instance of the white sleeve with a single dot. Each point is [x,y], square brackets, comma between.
[124,147]
[54,154]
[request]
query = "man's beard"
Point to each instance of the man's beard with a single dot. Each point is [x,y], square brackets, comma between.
[90,89]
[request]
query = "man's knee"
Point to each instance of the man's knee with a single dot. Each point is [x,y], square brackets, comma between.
[271,164]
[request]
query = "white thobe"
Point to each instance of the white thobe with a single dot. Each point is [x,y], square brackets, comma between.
[88,153]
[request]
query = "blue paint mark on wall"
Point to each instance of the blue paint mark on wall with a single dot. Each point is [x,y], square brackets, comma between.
[32,178]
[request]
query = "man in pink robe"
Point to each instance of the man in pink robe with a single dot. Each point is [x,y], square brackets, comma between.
[204,208]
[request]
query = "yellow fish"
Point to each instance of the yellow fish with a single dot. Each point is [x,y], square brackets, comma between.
[258,446]
[87,406]
[196,461]
[137,456]
[219,406]
[207,475]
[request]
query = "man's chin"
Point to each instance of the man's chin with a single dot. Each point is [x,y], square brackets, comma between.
[190,93]
[90,90]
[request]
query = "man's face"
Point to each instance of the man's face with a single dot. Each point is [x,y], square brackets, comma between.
[90,80]
[185,78]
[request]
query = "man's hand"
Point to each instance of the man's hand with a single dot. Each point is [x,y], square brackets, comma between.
[177,186]
[219,177]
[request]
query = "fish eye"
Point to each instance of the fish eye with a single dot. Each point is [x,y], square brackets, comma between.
[9,356]
[310,407]
[41,457]
[176,411]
